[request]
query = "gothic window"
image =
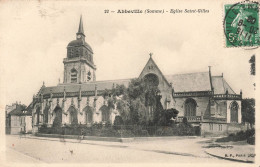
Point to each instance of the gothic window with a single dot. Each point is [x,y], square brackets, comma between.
[57,117]
[73,76]
[234,111]
[45,115]
[151,80]
[190,107]
[73,115]
[38,115]
[89,114]
[105,113]
[89,75]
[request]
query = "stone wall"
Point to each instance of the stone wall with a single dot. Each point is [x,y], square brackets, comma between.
[220,129]
[213,129]
[79,105]
[82,70]
[202,105]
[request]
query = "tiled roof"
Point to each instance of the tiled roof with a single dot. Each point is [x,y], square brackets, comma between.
[220,85]
[90,86]
[20,111]
[190,82]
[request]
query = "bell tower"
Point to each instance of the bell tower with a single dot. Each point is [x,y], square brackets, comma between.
[79,66]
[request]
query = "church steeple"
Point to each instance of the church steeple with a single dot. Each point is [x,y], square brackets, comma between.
[80,33]
[79,65]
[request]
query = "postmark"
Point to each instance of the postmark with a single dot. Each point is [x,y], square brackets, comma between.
[241,24]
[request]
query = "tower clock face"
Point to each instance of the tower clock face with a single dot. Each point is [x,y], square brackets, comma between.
[78,36]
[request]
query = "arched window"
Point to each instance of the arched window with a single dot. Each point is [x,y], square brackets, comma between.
[105,113]
[57,117]
[45,115]
[89,114]
[190,107]
[73,76]
[151,79]
[234,112]
[73,115]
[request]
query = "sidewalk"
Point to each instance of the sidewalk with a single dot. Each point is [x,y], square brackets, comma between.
[194,147]
[13,156]
[233,151]
[165,145]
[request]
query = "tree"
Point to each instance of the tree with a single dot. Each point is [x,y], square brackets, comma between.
[167,117]
[118,121]
[132,102]
[248,111]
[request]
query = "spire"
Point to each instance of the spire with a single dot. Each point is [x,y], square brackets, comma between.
[151,54]
[81,30]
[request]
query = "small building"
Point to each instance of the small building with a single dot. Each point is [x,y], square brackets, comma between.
[19,120]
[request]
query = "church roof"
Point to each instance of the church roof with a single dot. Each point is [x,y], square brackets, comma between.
[220,85]
[190,82]
[80,42]
[89,86]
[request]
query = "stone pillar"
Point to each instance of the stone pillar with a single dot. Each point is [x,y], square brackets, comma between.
[239,112]
[228,112]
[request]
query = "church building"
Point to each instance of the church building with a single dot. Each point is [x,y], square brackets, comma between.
[205,100]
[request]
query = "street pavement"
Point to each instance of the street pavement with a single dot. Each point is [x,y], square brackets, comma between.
[33,149]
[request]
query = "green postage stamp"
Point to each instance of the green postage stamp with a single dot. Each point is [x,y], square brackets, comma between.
[241,24]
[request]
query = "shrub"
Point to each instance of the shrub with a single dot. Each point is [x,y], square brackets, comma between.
[97,125]
[165,131]
[109,132]
[251,140]
[185,129]
[118,121]
[108,124]
[248,135]
[125,133]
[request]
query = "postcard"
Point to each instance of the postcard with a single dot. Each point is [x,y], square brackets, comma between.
[129,82]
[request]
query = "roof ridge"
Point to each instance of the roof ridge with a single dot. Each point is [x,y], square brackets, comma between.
[113,80]
[186,73]
[91,82]
[218,76]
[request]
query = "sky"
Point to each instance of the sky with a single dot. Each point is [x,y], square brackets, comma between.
[35,34]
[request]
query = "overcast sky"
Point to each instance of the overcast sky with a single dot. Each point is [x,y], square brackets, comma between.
[34,37]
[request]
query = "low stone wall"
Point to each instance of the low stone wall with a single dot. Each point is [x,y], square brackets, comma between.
[220,129]
[233,128]
[96,138]
[114,139]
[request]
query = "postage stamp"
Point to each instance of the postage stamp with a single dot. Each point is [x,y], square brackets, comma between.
[241,24]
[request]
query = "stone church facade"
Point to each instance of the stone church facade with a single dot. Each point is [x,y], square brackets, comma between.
[205,100]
